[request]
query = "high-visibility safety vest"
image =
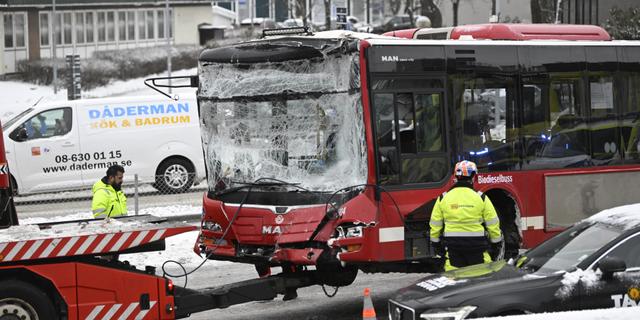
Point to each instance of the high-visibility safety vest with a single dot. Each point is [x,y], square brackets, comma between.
[462,212]
[107,201]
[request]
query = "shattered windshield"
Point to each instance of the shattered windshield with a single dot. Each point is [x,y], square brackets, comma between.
[296,121]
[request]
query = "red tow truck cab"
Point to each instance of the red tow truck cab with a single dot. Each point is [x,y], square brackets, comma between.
[506,31]
[54,270]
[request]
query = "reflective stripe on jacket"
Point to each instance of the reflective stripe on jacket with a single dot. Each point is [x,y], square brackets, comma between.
[107,201]
[461,212]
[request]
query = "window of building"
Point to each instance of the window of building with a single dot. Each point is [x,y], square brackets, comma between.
[170,23]
[19,28]
[122,26]
[8,31]
[14,30]
[67,27]
[140,15]
[150,25]
[131,26]
[57,28]
[102,26]
[160,14]
[111,26]
[79,26]
[44,28]
[89,26]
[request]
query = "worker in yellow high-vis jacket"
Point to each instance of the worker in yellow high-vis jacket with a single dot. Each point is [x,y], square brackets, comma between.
[108,198]
[463,220]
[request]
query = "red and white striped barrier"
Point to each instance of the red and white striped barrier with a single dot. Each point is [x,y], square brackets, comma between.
[93,244]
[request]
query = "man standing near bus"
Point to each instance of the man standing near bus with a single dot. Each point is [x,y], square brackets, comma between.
[108,198]
[459,220]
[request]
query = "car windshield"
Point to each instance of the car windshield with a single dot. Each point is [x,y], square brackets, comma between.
[296,121]
[570,247]
[15,119]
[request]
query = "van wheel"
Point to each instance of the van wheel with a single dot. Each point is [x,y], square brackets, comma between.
[174,175]
[21,300]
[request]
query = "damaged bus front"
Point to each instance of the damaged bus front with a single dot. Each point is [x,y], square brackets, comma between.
[286,155]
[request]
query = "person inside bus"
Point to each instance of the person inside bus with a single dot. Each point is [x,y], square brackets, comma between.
[459,220]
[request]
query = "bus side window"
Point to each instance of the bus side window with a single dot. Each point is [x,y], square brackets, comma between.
[485,126]
[386,140]
[603,125]
[560,139]
[630,126]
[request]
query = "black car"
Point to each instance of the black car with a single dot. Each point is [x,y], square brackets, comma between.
[594,264]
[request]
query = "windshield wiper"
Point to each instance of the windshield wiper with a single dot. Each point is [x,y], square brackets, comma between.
[261,182]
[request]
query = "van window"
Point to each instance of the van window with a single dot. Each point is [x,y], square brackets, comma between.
[15,119]
[46,124]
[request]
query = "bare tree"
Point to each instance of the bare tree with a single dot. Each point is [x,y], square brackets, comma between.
[455,11]
[543,11]
[429,9]
[300,10]
[394,5]
[408,9]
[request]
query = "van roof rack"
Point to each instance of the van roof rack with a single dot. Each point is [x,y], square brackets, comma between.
[286,31]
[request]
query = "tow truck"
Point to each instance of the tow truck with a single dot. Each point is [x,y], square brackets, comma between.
[69,270]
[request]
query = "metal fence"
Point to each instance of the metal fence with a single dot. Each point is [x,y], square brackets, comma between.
[150,195]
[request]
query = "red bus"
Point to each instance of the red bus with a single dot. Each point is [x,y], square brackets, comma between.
[330,149]
[505,31]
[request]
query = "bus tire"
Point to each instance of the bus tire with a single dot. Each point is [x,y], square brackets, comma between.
[22,300]
[174,175]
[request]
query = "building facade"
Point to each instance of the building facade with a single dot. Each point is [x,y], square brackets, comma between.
[31,30]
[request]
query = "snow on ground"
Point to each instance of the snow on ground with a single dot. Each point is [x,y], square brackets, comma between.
[165,211]
[18,96]
[598,314]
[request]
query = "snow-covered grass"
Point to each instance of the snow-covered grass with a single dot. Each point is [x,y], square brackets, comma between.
[598,314]
[18,96]
[178,248]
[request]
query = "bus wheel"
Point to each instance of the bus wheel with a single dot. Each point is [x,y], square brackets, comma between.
[174,175]
[23,301]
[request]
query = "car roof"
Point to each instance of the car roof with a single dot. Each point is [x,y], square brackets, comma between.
[626,217]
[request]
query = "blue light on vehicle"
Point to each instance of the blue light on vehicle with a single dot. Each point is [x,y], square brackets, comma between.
[478,153]
[543,136]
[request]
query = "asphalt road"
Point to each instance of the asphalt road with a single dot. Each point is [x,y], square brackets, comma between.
[311,304]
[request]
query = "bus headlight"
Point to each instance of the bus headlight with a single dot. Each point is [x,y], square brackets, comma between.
[448,313]
[211,226]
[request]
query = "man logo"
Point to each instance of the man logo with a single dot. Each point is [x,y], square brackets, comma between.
[390,59]
[271,230]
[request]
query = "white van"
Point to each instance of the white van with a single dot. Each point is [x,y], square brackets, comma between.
[70,144]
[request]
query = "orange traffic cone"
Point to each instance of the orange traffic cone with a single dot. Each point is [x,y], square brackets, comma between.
[368,312]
